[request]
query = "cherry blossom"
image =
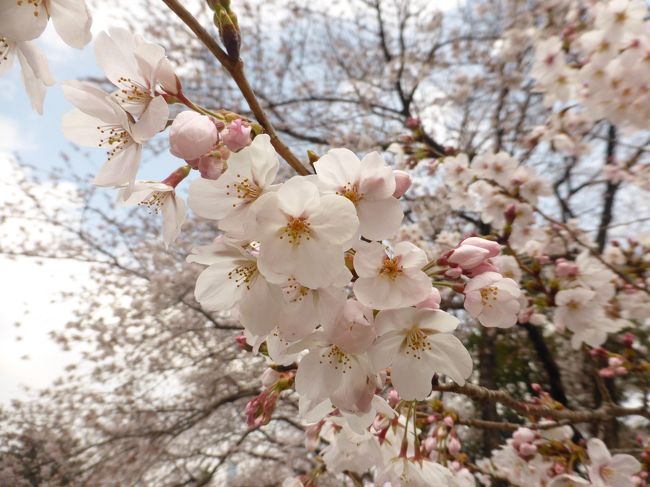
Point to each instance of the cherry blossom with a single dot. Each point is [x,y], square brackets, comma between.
[493,299]
[137,68]
[416,344]
[229,198]
[606,470]
[369,184]
[99,121]
[390,281]
[303,234]
[232,279]
[159,197]
[26,20]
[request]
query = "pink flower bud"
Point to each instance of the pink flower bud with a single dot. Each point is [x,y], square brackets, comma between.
[621,371]
[432,302]
[454,272]
[237,135]
[241,341]
[628,339]
[565,269]
[449,421]
[527,449]
[523,435]
[453,446]
[393,398]
[558,468]
[615,361]
[429,444]
[403,182]
[474,251]
[607,373]
[192,135]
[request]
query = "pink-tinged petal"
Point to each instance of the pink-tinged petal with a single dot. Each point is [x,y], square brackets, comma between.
[468,256]
[502,314]
[386,348]
[395,319]
[166,76]
[625,464]
[473,304]
[377,180]
[409,290]
[91,99]
[598,452]
[208,199]
[266,218]
[148,57]
[410,256]
[120,169]
[215,252]
[448,356]
[376,293]
[369,259]
[338,168]
[298,197]
[22,21]
[259,309]
[437,320]
[8,60]
[115,57]
[313,379]
[508,286]
[215,290]
[482,280]
[411,377]
[72,21]
[259,158]
[335,221]
[173,216]
[153,120]
[317,266]
[379,219]
[81,128]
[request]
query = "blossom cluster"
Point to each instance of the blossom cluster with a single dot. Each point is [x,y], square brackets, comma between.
[599,61]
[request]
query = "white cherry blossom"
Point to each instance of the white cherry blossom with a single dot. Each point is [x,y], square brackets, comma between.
[159,197]
[99,121]
[232,279]
[416,344]
[303,234]
[606,470]
[250,174]
[390,281]
[138,69]
[369,184]
[493,299]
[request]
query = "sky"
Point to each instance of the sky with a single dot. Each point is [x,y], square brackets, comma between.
[29,290]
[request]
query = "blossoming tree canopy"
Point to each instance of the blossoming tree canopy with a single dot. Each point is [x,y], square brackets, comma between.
[416,302]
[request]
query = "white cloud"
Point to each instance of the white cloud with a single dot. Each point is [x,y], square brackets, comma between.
[12,137]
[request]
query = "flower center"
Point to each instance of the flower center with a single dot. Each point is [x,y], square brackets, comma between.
[132,92]
[294,292]
[243,274]
[416,342]
[115,138]
[337,358]
[351,192]
[391,268]
[488,294]
[155,201]
[296,229]
[606,472]
[244,189]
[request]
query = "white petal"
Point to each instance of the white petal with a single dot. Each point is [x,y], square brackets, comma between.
[448,356]
[113,57]
[22,21]
[173,217]
[214,290]
[259,158]
[368,259]
[81,128]
[377,178]
[380,219]
[437,320]
[120,169]
[72,21]
[411,378]
[335,221]
[338,168]
[153,120]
